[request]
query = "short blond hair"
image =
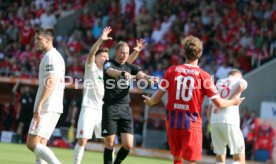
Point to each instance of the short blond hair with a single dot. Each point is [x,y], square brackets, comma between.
[234,71]
[121,44]
[192,47]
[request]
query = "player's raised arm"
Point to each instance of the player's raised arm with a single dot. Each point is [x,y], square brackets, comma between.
[104,36]
[140,44]
[241,87]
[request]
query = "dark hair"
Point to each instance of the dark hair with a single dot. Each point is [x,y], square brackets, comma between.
[234,71]
[48,32]
[101,50]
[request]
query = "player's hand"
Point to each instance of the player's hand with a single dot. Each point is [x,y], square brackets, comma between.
[37,113]
[238,101]
[146,100]
[140,44]
[105,33]
[128,76]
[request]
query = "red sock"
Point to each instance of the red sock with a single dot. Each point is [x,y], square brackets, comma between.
[177,162]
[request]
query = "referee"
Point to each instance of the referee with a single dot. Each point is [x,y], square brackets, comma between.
[117,115]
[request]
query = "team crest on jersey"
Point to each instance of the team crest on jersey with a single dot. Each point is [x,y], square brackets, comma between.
[49,67]
[100,78]
[81,132]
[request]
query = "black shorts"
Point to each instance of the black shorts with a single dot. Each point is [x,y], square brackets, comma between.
[116,118]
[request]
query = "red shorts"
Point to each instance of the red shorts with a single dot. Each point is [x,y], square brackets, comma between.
[186,144]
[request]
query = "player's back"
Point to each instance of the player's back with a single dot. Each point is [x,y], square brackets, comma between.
[226,87]
[187,85]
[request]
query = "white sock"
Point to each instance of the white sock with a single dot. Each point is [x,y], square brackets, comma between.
[78,153]
[46,154]
[40,160]
[219,163]
[236,162]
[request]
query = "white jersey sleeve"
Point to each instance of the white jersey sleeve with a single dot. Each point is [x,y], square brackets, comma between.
[50,67]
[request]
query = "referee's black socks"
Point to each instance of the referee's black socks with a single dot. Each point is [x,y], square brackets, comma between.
[121,155]
[108,156]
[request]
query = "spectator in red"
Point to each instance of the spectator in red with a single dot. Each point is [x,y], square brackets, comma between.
[26,33]
[265,138]
[250,131]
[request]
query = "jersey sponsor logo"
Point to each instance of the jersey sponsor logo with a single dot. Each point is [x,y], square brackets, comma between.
[107,65]
[81,132]
[105,131]
[49,67]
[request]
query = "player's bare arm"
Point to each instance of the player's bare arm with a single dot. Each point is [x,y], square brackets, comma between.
[140,44]
[155,98]
[48,87]
[104,36]
[223,103]
[142,75]
[241,87]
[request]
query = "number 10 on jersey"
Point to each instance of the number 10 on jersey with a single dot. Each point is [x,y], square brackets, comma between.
[182,85]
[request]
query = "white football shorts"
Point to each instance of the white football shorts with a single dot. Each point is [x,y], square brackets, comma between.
[45,127]
[226,134]
[89,120]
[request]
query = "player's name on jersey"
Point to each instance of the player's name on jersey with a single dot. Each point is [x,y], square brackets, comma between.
[181,106]
[187,71]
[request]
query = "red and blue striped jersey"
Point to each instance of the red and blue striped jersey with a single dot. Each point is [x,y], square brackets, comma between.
[186,86]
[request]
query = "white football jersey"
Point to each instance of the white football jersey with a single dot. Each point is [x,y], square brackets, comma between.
[93,90]
[226,88]
[51,63]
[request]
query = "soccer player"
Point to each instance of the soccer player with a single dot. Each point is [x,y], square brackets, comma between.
[225,122]
[90,117]
[117,116]
[49,98]
[186,85]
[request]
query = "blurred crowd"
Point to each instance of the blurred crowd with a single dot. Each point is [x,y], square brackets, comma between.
[236,33]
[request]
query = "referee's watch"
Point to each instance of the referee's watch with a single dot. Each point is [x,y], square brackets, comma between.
[123,73]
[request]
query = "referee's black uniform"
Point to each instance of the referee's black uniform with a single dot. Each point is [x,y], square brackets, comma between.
[117,115]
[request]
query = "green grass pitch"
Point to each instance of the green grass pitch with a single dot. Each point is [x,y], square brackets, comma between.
[19,154]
